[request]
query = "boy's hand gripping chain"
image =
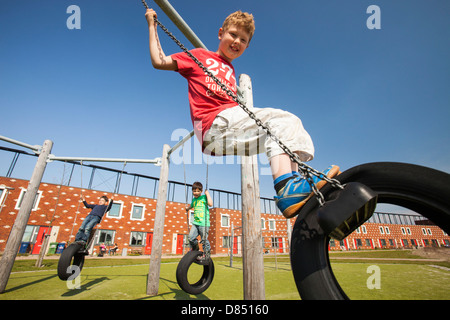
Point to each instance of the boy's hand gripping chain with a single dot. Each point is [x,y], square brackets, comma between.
[306,170]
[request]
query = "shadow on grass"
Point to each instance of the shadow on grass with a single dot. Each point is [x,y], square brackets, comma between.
[179,293]
[30,283]
[84,287]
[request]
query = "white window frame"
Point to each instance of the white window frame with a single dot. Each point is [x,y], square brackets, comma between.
[3,195]
[132,209]
[191,217]
[263,224]
[120,211]
[97,237]
[144,238]
[20,199]
[272,224]
[228,220]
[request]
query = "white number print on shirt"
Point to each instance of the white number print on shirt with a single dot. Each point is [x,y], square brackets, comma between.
[222,71]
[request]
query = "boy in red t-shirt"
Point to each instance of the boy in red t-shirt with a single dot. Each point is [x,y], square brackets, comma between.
[223,128]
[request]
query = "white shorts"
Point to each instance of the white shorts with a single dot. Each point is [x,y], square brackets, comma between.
[233,132]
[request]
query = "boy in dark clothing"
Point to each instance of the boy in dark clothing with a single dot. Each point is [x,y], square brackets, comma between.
[93,218]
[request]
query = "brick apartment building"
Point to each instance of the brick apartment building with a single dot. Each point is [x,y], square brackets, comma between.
[131,219]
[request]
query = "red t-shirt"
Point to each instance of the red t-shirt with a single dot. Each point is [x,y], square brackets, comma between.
[206,98]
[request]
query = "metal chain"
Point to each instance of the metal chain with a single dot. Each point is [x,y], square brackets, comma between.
[306,170]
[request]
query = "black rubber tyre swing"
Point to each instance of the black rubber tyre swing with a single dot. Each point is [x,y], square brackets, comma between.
[183,268]
[423,190]
[71,256]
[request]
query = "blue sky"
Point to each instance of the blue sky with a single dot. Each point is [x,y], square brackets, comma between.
[363,95]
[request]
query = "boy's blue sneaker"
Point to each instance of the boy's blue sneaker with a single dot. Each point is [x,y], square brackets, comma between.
[291,198]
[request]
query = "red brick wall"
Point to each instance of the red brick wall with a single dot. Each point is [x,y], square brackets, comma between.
[175,221]
[373,233]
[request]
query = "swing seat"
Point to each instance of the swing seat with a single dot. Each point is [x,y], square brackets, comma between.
[346,209]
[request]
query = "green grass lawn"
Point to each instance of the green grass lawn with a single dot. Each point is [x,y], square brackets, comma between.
[108,279]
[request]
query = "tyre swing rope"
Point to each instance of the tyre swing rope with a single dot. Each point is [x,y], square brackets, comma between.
[71,261]
[192,256]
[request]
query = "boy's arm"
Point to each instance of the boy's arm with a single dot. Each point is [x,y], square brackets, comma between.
[159,59]
[88,206]
[208,198]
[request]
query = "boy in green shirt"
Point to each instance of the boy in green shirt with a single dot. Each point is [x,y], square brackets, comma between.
[200,225]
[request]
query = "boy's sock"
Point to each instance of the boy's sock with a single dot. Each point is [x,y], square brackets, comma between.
[281,181]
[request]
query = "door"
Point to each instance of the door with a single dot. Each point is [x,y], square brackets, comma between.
[39,240]
[180,239]
[280,245]
[148,243]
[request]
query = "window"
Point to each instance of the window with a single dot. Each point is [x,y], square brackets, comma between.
[225,220]
[387,230]
[275,242]
[263,224]
[383,243]
[2,194]
[22,195]
[403,230]
[137,212]
[106,237]
[271,224]
[363,229]
[30,234]
[408,230]
[116,210]
[424,232]
[429,231]
[391,242]
[381,230]
[358,243]
[368,244]
[226,242]
[137,238]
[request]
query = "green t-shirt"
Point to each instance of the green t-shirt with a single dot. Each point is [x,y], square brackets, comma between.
[200,206]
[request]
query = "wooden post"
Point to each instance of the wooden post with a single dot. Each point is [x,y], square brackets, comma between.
[231,245]
[18,229]
[44,248]
[252,255]
[289,233]
[158,229]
